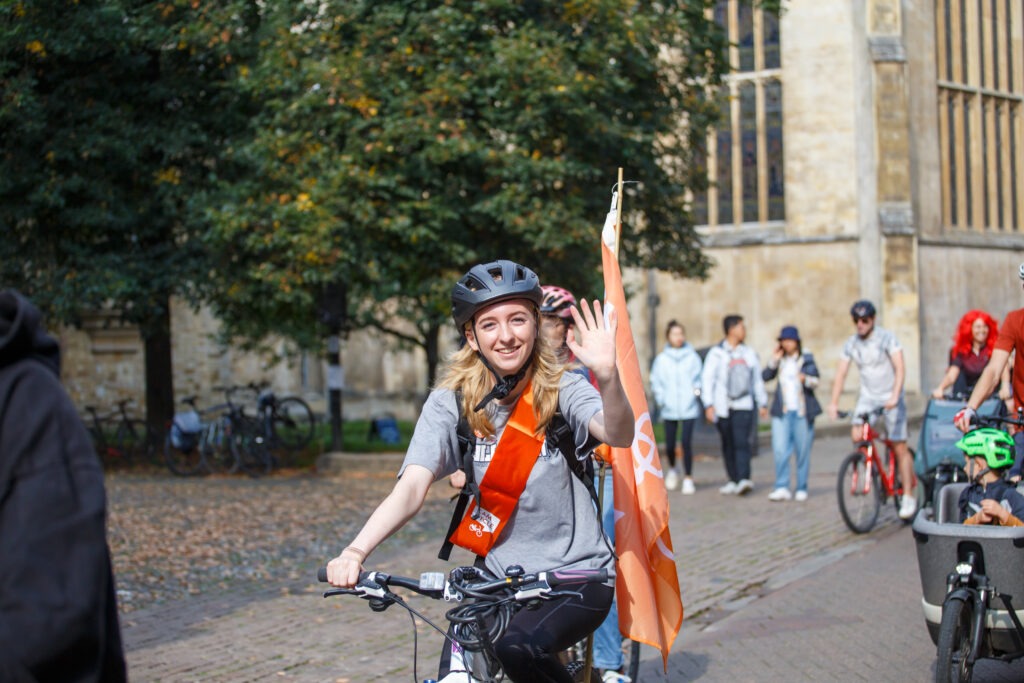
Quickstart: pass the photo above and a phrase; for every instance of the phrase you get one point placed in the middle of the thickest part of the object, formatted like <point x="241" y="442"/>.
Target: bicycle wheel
<point x="292" y="423"/>
<point x="859" y="496"/>
<point x="137" y="442"/>
<point x="250" y="447"/>
<point x="182" y="461"/>
<point x="955" y="643"/>
<point x="217" y="447"/>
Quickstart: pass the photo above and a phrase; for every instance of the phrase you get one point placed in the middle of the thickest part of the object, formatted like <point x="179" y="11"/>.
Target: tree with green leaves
<point x="400" y="142"/>
<point x="113" y="114"/>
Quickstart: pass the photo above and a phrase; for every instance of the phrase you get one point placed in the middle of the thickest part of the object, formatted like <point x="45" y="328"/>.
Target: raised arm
<point x="592" y="341"/>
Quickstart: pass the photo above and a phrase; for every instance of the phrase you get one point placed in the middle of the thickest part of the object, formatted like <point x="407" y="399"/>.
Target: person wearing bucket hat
<point x="528" y="506"/>
<point x="793" y="410"/>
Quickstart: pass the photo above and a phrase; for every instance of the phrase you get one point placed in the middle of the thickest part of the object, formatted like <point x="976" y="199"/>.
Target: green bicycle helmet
<point x="992" y="444"/>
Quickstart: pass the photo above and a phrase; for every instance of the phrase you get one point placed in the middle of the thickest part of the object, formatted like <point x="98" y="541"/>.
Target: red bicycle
<point x="864" y="481"/>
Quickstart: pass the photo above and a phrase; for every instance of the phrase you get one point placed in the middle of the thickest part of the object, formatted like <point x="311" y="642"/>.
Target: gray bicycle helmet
<point x="488" y="283"/>
<point x="1020" y="271"/>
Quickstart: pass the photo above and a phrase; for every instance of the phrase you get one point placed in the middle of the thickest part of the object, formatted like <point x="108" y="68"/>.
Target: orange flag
<point x="647" y="585"/>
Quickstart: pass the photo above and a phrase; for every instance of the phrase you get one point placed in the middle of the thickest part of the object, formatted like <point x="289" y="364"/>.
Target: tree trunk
<point x="159" y="371"/>
<point x="433" y="353"/>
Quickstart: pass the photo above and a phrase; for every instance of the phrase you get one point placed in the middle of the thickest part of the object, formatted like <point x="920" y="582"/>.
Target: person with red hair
<point x="972" y="347"/>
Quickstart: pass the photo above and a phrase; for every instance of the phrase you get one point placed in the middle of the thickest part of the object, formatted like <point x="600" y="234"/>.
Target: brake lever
<point x="564" y="594"/>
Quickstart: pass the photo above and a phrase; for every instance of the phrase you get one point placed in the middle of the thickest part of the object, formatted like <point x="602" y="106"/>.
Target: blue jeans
<point x="607" y="639"/>
<point x="792" y="433"/>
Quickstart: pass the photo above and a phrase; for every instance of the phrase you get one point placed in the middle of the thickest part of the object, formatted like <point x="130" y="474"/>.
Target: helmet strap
<point x="503" y="386"/>
<point x="977" y="477"/>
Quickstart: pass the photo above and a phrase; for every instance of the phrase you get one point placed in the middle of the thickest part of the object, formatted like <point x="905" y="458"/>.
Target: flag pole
<point x="618" y="215"/>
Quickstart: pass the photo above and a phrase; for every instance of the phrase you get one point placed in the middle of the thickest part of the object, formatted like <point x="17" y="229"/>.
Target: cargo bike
<point x="972" y="580"/>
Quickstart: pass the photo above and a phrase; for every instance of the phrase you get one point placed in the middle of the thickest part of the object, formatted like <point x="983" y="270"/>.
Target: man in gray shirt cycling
<point x="879" y="359"/>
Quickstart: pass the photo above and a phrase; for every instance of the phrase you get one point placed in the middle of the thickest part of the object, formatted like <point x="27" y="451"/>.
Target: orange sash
<point x="504" y="481"/>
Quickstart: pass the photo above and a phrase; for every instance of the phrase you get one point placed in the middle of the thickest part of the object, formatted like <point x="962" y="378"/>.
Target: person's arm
<point x="809" y="374"/>
<point x="401" y="505"/>
<point x="1006" y="383"/>
<point x="657" y="383"/>
<point x="760" y="395"/>
<point x="592" y="341"/>
<point x="952" y="372"/>
<point x="709" y="384"/>
<point x="837" y="387"/>
<point x="896" y="356"/>
<point x="983" y="389"/>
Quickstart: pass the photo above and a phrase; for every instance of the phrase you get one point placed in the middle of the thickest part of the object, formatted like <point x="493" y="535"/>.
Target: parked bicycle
<point x="283" y="426"/>
<point x="119" y="438"/>
<point x="215" y="439"/>
<point x="864" y="482"/>
<point x="476" y="624"/>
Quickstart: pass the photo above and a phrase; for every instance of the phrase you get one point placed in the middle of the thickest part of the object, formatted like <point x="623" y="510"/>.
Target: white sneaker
<point x="908" y="506"/>
<point x="672" y="480"/>
<point x="800" y="496"/>
<point x="744" y="487"/>
<point x="688" y="488"/>
<point x="729" y="488"/>
<point x="780" y="494"/>
<point x="615" y="677"/>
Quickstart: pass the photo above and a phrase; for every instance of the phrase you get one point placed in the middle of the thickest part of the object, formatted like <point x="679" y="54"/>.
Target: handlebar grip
<point x="558" y="578"/>
<point x="321" y="575"/>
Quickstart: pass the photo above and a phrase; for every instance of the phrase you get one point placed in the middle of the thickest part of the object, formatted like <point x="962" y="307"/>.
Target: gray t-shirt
<point x="554" y="525"/>
<point x="872" y="356"/>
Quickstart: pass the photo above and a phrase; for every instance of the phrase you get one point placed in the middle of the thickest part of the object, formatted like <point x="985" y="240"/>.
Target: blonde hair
<point x="466" y="372"/>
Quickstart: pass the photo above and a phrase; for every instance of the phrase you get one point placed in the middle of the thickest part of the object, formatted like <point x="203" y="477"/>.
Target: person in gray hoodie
<point x="58" y="612"/>
<point x="675" y="383"/>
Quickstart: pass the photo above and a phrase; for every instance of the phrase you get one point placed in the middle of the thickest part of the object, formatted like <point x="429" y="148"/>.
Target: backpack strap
<point x="470" y="490"/>
<point x="559" y="435"/>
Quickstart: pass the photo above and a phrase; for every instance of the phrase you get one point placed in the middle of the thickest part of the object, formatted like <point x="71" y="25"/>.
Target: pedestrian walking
<point x="675" y="383"/>
<point x="732" y="389"/>
<point x="793" y="410"/>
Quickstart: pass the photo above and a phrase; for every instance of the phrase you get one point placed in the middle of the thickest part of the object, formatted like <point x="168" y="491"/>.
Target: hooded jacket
<point x="675" y="381"/>
<point x="58" y="613"/>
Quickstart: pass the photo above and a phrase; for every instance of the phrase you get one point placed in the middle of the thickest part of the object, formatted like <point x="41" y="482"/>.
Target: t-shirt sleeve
<point x="1010" y="331"/>
<point x="847" y="352"/>
<point x="892" y="344"/>
<point x="579" y="402"/>
<point x="435" y="443"/>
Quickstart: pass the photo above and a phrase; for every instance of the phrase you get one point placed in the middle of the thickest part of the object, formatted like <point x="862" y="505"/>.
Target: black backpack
<point x="557" y="435"/>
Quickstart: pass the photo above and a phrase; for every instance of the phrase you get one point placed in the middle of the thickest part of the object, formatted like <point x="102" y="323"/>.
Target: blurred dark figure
<point x="58" y="613"/>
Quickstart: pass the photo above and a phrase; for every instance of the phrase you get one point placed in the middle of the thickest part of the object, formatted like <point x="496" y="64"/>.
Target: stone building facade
<point x="873" y="149"/>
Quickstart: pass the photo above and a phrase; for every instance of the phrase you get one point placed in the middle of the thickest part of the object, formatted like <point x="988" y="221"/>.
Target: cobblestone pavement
<point x="772" y="591"/>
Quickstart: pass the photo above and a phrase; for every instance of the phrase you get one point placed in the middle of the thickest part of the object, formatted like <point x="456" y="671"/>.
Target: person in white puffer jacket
<point x="675" y="383"/>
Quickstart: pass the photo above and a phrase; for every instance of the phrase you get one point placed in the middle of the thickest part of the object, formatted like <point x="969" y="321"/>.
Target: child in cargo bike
<point x="990" y="499"/>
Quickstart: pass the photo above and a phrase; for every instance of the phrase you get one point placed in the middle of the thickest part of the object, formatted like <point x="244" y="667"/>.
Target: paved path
<point x="772" y="592"/>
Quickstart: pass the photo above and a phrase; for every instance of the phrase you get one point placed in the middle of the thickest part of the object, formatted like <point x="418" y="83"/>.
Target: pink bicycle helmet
<point x="557" y="301"/>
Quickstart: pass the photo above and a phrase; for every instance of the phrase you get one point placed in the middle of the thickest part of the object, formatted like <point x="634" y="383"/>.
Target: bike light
<point x="964" y="569"/>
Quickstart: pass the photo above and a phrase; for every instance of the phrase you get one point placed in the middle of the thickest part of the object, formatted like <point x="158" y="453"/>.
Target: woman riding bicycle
<point x="531" y="510"/>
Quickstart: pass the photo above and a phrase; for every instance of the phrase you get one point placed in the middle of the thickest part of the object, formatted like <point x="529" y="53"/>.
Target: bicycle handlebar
<point x="863" y="416"/>
<point x="469" y="581"/>
<point x="982" y="420"/>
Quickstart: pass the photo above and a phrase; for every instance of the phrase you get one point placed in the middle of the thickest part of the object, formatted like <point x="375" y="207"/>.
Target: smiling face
<point x="505" y="334"/>
<point x="979" y="332"/>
